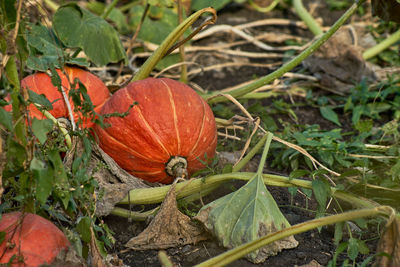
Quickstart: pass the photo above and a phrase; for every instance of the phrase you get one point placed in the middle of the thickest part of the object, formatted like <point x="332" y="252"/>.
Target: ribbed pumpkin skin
<point x="37" y="240"/>
<point x="40" y="83"/>
<point x="170" y="119"/>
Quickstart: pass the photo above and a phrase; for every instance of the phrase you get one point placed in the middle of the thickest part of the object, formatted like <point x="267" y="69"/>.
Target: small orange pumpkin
<point x="31" y="238"/>
<point x="40" y="83"/>
<point x="170" y="133"/>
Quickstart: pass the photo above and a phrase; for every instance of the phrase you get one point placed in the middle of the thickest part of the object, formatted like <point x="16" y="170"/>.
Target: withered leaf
<point x="169" y="228"/>
<point x="389" y="243"/>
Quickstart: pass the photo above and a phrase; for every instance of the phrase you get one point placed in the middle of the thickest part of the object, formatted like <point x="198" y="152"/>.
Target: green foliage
<point x="78" y="28"/>
<point x="330" y="115"/>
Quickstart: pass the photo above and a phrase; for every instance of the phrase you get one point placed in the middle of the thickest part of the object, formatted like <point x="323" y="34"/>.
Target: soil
<point x="315" y="248"/>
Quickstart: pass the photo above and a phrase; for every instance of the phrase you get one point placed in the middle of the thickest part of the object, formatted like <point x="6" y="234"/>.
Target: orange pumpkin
<point x="31" y="238"/>
<point x="40" y="83"/>
<point x="169" y="133"/>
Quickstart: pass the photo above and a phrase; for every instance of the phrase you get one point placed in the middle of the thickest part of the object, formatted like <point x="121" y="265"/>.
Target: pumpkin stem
<point x="177" y="167"/>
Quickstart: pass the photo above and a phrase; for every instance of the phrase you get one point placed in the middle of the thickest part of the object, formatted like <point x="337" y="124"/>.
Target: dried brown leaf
<point x="169" y="228"/>
<point x="390" y="244"/>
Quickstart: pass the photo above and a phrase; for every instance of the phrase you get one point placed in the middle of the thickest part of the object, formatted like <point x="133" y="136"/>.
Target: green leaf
<point x="330" y="115"/>
<point x="364" y="126"/>
<point x="2" y="236"/>
<point x="321" y="191"/>
<point x="116" y="15"/>
<point x="45" y="179"/>
<point x="61" y="179"/>
<point x="298" y="173"/>
<point x="6" y="119"/>
<point x="357" y="112"/>
<point x="362" y="247"/>
<point x="44" y="49"/>
<point x="83" y="228"/>
<point x="16" y="156"/>
<point x="40" y="129"/>
<point x="217" y="5"/>
<point x="77" y="27"/>
<point x="9" y="12"/>
<point x="245" y="215"/>
<point x="40" y="99"/>
<point x="352" y="249"/>
<point x="338" y="232"/>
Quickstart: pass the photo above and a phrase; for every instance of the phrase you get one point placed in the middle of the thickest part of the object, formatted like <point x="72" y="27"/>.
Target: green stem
<point x="264" y="9"/>
<point x="11" y="71"/>
<point x="52" y="5"/>
<point x="109" y="9"/>
<point x="375" y="50"/>
<point x="134" y="215"/>
<point x="238" y="252"/>
<point x="250" y="154"/>
<point x="306" y="17"/>
<point x="162" y="50"/>
<point x="265" y="153"/>
<point x="292" y="63"/>
<point x="164" y="260"/>
<point x="56" y="122"/>
<point x="157" y="194"/>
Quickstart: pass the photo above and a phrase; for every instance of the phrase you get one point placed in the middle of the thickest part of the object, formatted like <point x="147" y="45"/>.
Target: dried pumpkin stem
<point x="177" y="167"/>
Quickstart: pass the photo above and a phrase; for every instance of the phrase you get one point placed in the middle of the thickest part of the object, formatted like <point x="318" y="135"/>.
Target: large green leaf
<point x="77" y="27"/>
<point x="44" y="49"/>
<point x="246" y="215"/>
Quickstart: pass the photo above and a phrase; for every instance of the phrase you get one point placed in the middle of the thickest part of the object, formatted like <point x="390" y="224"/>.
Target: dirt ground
<point x="315" y="248"/>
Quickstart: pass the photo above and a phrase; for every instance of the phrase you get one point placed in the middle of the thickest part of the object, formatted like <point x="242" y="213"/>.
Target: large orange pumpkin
<point x="170" y="133"/>
<point x="31" y="238"/>
<point x="41" y="83"/>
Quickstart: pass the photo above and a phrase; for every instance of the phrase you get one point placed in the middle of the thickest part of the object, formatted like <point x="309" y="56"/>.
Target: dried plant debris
<point x="339" y="64"/>
<point x="386" y="9"/>
<point x="169" y="228"/>
<point x="390" y="245"/>
<point x="67" y="258"/>
<point x="114" y="182"/>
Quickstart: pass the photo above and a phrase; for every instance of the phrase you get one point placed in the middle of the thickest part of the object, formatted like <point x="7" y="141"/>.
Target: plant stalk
<point x="157" y="194"/>
<point x="134" y="215"/>
<point x="213" y="98"/>
<point x="302" y="12"/>
<point x="162" y="50"/>
<point x="239" y="252"/>
<point x="64" y="131"/>
<point x="375" y="50"/>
